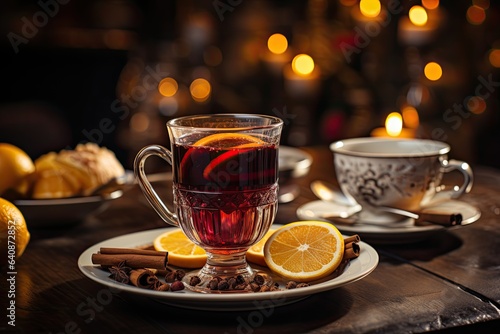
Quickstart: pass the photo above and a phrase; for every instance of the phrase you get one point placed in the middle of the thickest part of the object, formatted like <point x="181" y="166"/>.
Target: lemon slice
<point x="255" y="254"/>
<point x="304" y="250"/>
<point x="182" y="252"/>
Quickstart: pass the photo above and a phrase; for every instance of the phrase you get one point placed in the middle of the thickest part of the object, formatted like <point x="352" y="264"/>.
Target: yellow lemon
<point x="182" y="252"/>
<point x="304" y="250"/>
<point x="14" y="234"/>
<point x="16" y="167"/>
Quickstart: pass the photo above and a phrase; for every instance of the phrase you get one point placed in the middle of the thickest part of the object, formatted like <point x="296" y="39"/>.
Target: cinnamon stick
<point x="351" y="247"/>
<point x="351" y="251"/>
<point x="112" y="250"/>
<point x="134" y="258"/>
<point x="352" y="238"/>
<point x="143" y="278"/>
<point x="429" y="218"/>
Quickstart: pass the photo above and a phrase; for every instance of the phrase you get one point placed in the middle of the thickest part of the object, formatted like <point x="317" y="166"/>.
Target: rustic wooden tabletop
<point x="448" y="281"/>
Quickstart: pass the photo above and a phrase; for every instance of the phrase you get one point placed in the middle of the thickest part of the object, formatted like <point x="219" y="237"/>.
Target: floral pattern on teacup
<point x="375" y="182"/>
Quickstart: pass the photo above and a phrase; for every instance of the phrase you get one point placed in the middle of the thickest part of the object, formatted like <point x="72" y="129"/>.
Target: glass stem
<point x="226" y="265"/>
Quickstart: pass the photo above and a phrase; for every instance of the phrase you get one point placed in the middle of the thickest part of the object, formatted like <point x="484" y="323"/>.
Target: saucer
<point x="373" y="228"/>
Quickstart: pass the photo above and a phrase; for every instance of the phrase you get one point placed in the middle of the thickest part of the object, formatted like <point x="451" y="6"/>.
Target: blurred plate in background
<point x="293" y="163"/>
<point x="60" y="212"/>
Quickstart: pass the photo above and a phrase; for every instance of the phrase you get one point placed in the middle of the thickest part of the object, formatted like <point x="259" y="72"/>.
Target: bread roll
<point x="74" y="172"/>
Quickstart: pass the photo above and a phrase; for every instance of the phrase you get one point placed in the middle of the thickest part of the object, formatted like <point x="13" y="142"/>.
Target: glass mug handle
<point x="146" y="187"/>
<point x="464" y="168"/>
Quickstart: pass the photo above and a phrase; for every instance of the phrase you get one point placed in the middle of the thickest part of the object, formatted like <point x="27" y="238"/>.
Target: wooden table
<point x="448" y="282"/>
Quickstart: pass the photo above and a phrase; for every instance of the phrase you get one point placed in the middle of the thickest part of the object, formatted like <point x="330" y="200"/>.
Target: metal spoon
<point x="326" y="192"/>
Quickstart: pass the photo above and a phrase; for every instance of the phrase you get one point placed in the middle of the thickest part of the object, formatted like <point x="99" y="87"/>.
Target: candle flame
<point x="418" y="15"/>
<point x="303" y="64"/>
<point x="394" y="124"/>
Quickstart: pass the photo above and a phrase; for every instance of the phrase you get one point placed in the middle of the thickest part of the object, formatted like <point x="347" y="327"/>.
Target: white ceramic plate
<point x="397" y="232"/>
<point x="356" y="270"/>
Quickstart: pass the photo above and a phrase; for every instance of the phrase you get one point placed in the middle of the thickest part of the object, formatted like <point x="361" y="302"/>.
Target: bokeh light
<point x="410" y="117"/>
<point x="394" y="124"/>
<point x="433" y="71"/>
<point x="418" y="15"/>
<point x="476" y="104"/>
<point x="418" y="95"/>
<point x="494" y="57"/>
<point x="168" y="106"/>
<point x="485" y="4"/>
<point x="139" y="122"/>
<point x="475" y="15"/>
<point x="168" y="87"/>
<point x="200" y="90"/>
<point x="277" y="43"/>
<point x="303" y="64"/>
<point x="212" y="56"/>
<point x="370" y="8"/>
<point x="430" y="4"/>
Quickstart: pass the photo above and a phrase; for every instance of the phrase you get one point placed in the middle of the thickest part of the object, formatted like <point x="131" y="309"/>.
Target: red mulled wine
<point x="226" y="192"/>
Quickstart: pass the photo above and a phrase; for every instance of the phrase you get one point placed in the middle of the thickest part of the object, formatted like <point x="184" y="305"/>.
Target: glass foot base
<point x="248" y="282"/>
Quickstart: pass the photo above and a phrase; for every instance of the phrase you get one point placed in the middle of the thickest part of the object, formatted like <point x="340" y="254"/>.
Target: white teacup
<point x="399" y="173"/>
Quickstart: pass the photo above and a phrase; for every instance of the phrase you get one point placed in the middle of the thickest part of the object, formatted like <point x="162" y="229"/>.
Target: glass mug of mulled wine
<point x="225" y="185"/>
<point x="398" y="173"/>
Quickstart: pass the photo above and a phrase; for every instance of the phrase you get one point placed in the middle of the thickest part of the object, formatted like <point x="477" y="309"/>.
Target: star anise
<point x="120" y="273"/>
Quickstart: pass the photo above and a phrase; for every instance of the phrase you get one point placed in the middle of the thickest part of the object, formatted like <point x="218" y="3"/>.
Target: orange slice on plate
<point x="182" y="252"/>
<point x="304" y="250"/>
<point x="255" y="254"/>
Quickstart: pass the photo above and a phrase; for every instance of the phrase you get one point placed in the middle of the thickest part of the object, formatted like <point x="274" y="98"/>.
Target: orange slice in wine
<point x="229" y="140"/>
<point x="225" y="141"/>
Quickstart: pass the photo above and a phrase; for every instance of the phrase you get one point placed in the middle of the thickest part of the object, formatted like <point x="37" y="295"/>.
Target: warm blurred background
<point x="114" y="71"/>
